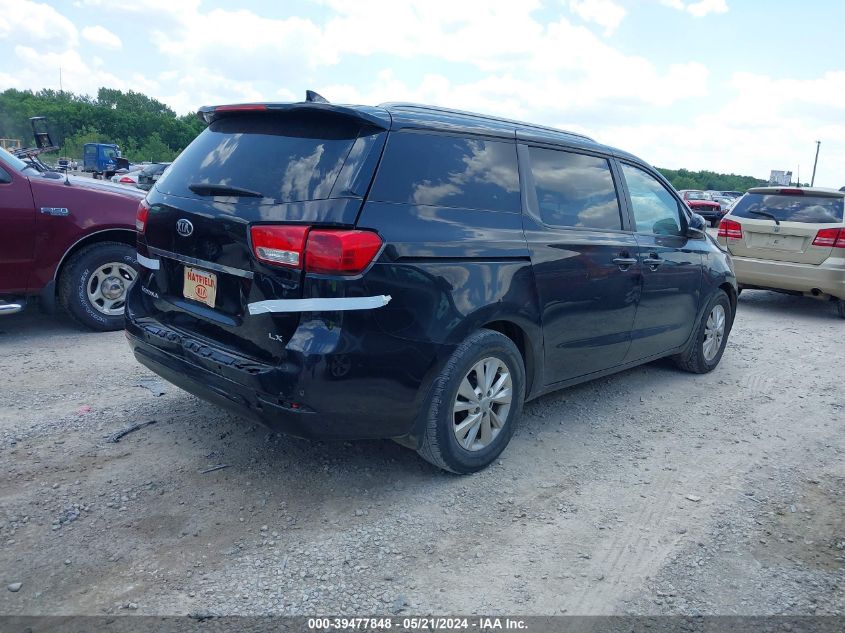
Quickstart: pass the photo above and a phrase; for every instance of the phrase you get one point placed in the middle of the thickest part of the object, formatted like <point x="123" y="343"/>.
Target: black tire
<point x="840" y="308"/>
<point x="693" y="358"/>
<point x="77" y="275"/>
<point x="439" y="444"/>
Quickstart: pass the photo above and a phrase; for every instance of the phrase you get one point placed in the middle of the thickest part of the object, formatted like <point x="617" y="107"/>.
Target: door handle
<point x="653" y="261"/>
<point x="624" y="262"/>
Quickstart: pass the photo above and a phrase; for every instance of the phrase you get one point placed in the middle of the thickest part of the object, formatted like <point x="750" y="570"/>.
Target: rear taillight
<point x="340" y="252"/>
<point x="730" y="230"/>
<point x="279" y="245"/>
<point x="324" y="251"/>
<point x="126" y="180"/>
<point x="831" y="238"/>
<point x="141" y="217"/>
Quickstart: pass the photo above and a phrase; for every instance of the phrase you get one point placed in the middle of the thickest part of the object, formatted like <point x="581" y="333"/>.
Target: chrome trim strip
<point x="191" y="261"/>
<point x="328" y="304"/>
<point x="10" y="308"/>
<point x="146" y="262"/>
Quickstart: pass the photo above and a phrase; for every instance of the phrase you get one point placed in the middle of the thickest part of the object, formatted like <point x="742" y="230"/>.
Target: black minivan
<point x="414" y="273"/>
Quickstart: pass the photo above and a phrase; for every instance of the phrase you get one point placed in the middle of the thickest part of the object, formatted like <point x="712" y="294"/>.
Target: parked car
<point x="65" y="239"/>
<point x="724" y="202"/>
<point x="127" y="178"/>
<point x="702" y="203"/>
<point x="789" y="240"/>
<point x="150" y="174"/>
<point x="413" y="273"/>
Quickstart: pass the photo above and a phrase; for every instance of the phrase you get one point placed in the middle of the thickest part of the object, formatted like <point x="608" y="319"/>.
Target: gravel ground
<point x="649" y="492"/>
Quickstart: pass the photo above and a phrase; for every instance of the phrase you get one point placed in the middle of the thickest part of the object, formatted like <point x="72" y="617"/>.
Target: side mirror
<point x="697" y="226"/>
<point x="5" y="178"/>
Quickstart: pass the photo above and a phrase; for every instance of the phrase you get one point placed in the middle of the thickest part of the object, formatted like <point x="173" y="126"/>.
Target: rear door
<point x="584" y="260"/>
<point x="783" y="226"/>
<point x="670" y="263"/>
<point x="248" y="169"/>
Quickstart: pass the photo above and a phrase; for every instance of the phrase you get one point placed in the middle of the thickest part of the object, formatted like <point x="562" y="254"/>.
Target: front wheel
<point x="708" y="344"/>
<point x="474" y="404"/>
<point x="94" y="284"/>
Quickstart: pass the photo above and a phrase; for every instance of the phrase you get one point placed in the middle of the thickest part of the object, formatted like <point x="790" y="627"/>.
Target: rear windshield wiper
<point x="209" y="189"/>
<point x="767" y="214"/>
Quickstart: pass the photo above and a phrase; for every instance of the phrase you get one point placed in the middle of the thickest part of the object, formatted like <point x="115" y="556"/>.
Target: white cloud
<point x="24" y="22"/>
<point x="605" y="13"/>
<point x="102" y="36"/>
<point x="700" y="8"/>
<point x="704" y="7"/>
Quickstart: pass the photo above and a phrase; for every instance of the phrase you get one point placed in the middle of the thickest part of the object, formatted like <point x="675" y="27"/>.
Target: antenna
<point x="315" y="97"/>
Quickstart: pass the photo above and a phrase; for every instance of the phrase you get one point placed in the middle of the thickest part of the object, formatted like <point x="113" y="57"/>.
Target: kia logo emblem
<point x="184" y="227"/>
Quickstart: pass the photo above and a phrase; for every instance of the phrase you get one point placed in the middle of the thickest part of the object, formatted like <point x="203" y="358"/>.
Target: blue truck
<point x="103" y="159"/>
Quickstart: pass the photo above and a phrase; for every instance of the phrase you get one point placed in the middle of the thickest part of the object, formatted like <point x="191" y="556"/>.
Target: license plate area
<point x="200" y="285"/>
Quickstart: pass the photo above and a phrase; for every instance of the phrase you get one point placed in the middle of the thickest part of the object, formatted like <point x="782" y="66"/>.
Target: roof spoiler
<point x="314" y="102"/>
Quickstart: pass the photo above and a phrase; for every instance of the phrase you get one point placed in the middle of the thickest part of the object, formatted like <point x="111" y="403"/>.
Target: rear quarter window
<point x="809" y="209"/>
<point x="448" y="171"/>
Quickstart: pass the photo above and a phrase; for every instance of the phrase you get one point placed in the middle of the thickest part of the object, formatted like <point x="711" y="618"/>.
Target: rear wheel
<point x="840" y="307"/>
<point x="474" y="404"/>
<point x="708" y="344"/>
<point x="94" y="284"/>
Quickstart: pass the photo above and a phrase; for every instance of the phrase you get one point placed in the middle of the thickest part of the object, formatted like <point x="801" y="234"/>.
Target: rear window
<point x="810" y="209"/>
<point x="448" y="171"/>
<point x="286" y="158"/>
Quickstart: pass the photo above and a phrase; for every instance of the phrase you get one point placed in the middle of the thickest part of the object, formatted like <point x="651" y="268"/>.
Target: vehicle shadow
<point x="756" y="301"/>
<point x="34" y="323"/>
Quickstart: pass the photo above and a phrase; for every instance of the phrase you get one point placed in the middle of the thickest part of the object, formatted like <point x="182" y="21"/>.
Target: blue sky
<point x="725" y="85"/>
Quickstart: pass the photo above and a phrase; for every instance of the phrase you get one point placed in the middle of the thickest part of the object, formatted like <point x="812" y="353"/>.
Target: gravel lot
<point x="649" y="492"/>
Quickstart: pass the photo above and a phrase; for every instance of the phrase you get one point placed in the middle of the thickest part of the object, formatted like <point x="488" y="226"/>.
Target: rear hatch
<point x="782" y="225"/>
<point x="295" y="164"/>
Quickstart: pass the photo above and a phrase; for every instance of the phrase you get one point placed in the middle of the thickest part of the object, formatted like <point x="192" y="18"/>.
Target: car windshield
<point x="790" y="208"/>
<point x="12" y="161"/>
<point x="698" y="195"/>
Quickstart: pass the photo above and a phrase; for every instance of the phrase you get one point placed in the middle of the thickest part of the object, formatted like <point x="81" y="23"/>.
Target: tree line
<point x="147" y="129"/>
<point x="709" y="180"/>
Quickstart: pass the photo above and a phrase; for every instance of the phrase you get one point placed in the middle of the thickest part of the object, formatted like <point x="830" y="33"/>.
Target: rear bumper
<point x="373" y="389"/>
<point x="827" y="277"/>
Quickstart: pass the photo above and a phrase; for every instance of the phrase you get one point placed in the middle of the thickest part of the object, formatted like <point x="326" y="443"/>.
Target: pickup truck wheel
<point x="94" y="284"/>
<point x="474" y="404"/>
<point x="708" y="344"/>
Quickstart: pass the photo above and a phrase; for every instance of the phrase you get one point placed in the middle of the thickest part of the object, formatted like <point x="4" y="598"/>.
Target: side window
<point x="575" y="190"/>
<point x="655" y="209"/>
<point x="447" y="171"/>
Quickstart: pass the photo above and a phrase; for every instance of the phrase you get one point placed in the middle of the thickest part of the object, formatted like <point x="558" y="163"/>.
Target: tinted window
<point x="286" y="158"/>
<point x="812" y="209"/>
<point x="574" y="190"/>
<point x="655" y="209"/>
<point x="447" y="171"/>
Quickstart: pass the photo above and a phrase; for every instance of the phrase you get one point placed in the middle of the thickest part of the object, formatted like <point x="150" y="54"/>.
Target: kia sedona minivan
<point x="414" y="273"/>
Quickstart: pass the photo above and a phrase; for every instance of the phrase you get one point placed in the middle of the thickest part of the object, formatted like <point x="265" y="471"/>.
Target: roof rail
<point x="422" y="106"/>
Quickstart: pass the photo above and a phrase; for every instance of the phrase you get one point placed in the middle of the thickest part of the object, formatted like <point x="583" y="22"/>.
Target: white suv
<point x="789" y="239"/>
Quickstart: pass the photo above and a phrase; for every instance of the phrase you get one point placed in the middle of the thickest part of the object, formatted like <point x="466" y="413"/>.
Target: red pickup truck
<point x="65" y="240"/>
